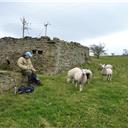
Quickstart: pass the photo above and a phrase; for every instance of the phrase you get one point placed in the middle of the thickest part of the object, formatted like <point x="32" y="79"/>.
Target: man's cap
<point x="28" y="54"/>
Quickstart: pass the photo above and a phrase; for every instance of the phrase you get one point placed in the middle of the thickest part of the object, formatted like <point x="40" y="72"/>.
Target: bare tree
<point x="97" y="50"/>
<point x="25" y="24"/>
<point x="46" y="25"/>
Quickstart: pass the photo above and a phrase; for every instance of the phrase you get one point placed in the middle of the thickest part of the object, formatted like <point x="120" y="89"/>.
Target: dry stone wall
<point x="8" y="80"/>
<point x="49" y="56"/>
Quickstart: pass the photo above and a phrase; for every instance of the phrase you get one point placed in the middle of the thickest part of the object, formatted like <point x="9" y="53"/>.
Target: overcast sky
<point x="85" y="21"/>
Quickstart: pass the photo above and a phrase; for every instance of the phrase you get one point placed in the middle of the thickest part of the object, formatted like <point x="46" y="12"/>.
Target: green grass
<point x="56" y="104"/>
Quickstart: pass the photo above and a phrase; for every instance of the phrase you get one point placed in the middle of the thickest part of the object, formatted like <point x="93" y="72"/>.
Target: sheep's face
<point x="104" y="70"/>
<point x="101" y="66"/>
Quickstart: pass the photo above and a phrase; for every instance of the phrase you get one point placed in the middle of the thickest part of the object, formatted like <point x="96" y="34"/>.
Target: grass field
<point x="56" y="104"/>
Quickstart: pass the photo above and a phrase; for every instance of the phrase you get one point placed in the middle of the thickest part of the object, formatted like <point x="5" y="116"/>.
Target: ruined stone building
<point x="49" y="56"/>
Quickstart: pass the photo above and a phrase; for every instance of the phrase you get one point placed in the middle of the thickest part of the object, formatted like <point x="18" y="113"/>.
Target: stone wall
<point x="8" y="80"/>
<point x="49" y="56"/>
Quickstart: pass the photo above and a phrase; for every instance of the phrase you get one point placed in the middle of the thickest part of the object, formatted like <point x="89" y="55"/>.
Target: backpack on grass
<point x="25" y="89"/>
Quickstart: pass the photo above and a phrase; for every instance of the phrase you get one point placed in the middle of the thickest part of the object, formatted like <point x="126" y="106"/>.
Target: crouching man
<point x="27" y="69"/>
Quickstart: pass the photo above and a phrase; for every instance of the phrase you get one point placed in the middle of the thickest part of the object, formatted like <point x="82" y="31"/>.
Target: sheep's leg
<point x="76" y="84"/>
<point x="102" y="77"/>
<point x="87" y="82"/>
<point x="73" y="81"/>
<point x="110" y="78"/>
<point x="81" y="87"/>
<point x="107" y="77"/>
<point x="68" y="80"/>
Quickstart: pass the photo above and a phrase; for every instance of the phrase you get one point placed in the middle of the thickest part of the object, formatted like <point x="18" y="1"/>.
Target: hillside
<point x="56" y="104"/>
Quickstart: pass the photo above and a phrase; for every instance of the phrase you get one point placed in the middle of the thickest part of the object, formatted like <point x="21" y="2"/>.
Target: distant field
<point x="56" y="104"/>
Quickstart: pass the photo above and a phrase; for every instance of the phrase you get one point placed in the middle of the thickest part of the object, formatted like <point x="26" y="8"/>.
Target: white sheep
<point x="88" y="73"/>
<point x="109" y="66"/>
<point x="107" y="72"/>
<point x="105" y="65"/>
<point x="80" y="79"/>
<point x="71" y="73"/>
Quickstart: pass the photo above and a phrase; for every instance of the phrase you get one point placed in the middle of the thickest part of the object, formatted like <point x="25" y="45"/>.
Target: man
<point x="27" y="69"/>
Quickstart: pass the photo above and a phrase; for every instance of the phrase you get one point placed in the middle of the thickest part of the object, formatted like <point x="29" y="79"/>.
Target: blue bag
<point x="29" y="89"/>
<point x="25" y="89"/>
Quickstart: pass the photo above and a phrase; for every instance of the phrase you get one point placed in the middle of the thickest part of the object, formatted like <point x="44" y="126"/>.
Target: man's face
<point x="27" y="57"/>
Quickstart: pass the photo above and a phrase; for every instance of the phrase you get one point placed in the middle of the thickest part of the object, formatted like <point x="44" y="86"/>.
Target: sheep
<point x="105" y="65"/>
<point x="80" y="79"/>
<point x="71" y="73"/>
<point x="109" y="66"/>
<point x="107" y="72"/>
<point x="88" y="73"/>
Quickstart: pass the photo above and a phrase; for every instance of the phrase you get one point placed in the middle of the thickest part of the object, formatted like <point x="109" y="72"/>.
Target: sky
<point x="87" y="22"/>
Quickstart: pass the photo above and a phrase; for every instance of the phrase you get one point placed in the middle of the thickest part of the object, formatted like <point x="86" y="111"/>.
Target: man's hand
<point x="34" y="70"/>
